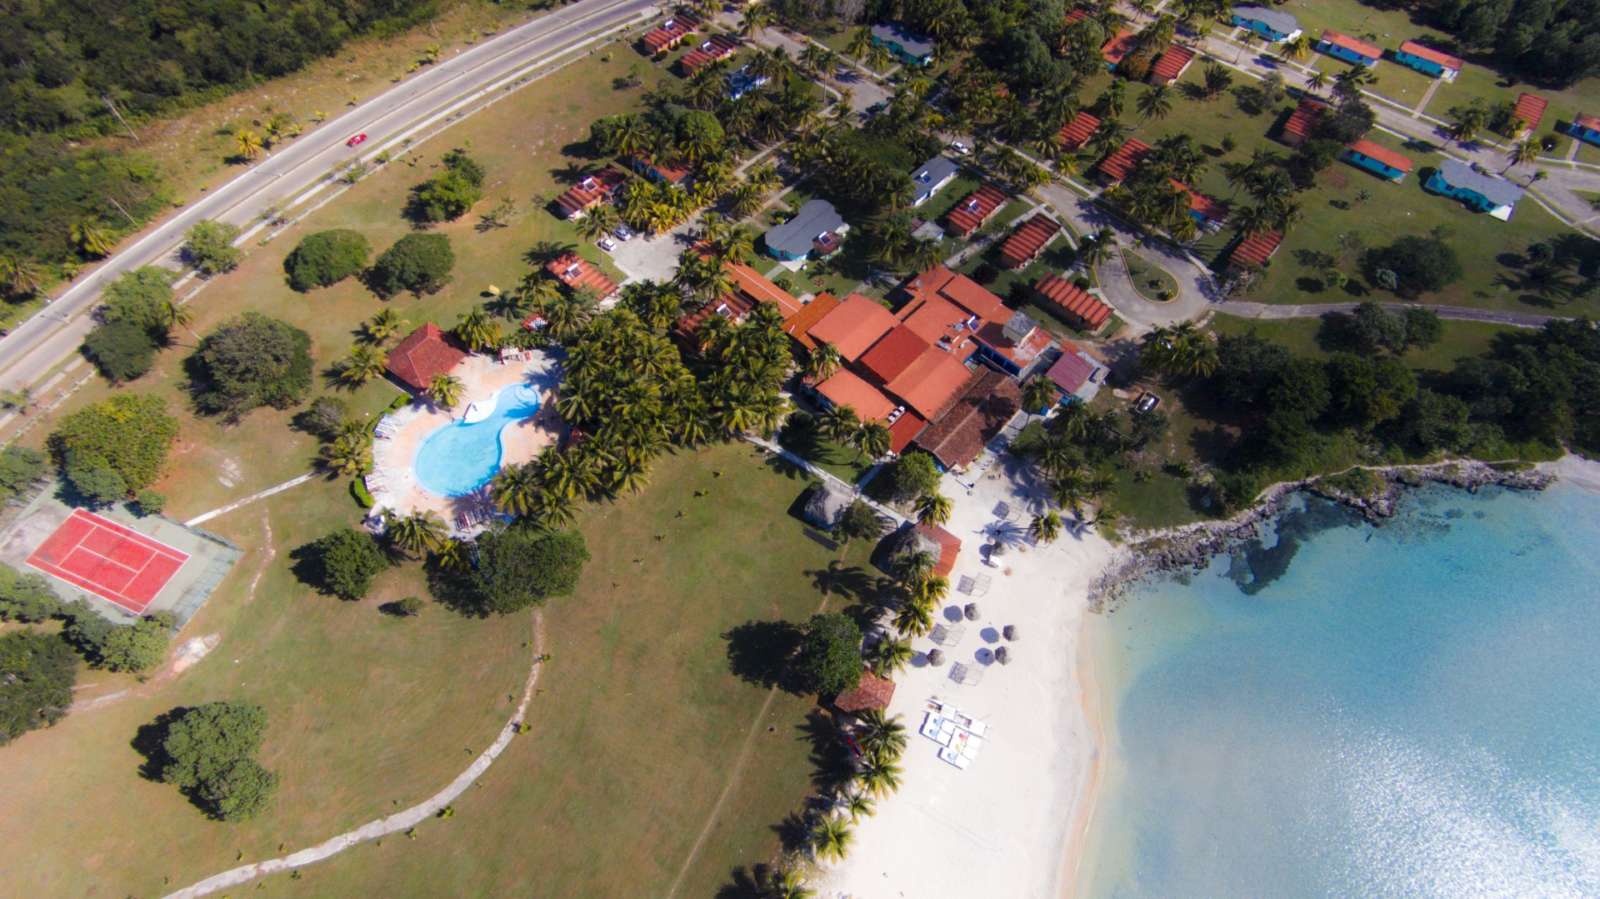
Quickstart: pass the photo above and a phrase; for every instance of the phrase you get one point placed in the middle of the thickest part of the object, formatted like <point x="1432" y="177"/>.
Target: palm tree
<point x="477" y="330"/>
<point x="1045" y="528"/>
<point x="880" y="776"/>
<point x="933" y="509"/>
<point x="516" y="489"/>
<point x="248" y="143"/>
<point x="822" y="362"/>
<point x="445" y="390"/>
<point x="871" y="439"/>
<point x="1217" y="80"/>
<point x="1317" y="81"/>
<point x="839" y="423"/>
<point x="888" y="656"/>
<point x="788" y="883"/>
<point x="451" y="555"/>
<point x="362" y="365"/>
<point x="384" y="324"/>
<point x="91" y="238"/>
<point x="831" y="838"/>
<point x="19" y="276"/>
<point x="1039" y="394"/>
<point x="598" y="222"/>
<point x="879" y="57"/>
<point x="880" y="735"/>
<point x="1522" y="153"/>
<point x="860" y="43"/>
<point x="858" y="805"/>
<point x="929" y="591"/>
<point x="757" y="17"/>
<point x="349" y="454"/>
<point x="1155" y="103"/>
<point x="418" y="532"/>
<point x="913" y="619"/>
<point x="1298" y="49"/>
<point x="1093" y="250"/>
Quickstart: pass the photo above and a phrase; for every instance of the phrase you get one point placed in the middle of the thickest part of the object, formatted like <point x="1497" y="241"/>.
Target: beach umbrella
<point x="971" y="611"/>
<point x="1009" y="632"/>
<point x="1002" y="655"/>
<point x="935" y="657"/>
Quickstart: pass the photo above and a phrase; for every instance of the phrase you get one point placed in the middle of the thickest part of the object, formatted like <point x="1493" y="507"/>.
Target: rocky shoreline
<point x="1374" y="492"/>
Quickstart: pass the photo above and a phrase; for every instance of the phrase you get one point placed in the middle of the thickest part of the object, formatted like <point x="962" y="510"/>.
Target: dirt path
<point x="399" y="821"/>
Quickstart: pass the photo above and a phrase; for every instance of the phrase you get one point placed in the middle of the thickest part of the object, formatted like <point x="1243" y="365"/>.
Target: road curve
<point x="38" y="343"/>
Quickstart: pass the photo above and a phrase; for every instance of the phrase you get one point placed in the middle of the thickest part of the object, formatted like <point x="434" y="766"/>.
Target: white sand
<point x="1008" y="825"/>
<point x="1577" y="470"/>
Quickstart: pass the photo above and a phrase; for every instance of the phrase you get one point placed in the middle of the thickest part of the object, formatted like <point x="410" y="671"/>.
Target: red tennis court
<point x="111" y="561"/>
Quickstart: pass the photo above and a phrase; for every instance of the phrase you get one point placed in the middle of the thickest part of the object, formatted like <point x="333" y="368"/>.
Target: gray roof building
<point x="934" y="174"/>
<point x="1496" y="190"/>
<point x="1276" y="19"/>
<point x="793" y="239"/>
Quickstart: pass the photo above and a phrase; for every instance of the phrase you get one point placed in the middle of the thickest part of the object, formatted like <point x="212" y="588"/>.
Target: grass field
<point x="1460" y="340"/>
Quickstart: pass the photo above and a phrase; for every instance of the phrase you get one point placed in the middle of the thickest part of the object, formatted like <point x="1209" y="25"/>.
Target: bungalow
<point x="1527" y="114"/>
<point x="1121" y="162"/>
<point x="1171" y="64"/>
<point x="577" y="273"/>
<point x="601" y="187"/>
<point x="1300" y="124"/>
<point x="1585" y="127"/>
<point x="1255" y="249"/>
<point x="1206" y="212"/>
<point x="423" y="355"/>
<point x="1428" y="61"/>
<point x="893" y="354"/>
<point x="932" y="177"/>
<point x="669" y="34"/>
<point x="1271" y="24"/>
<point x="970" y="214"/>
<point x="758" y="289"/>
<point x="909" y="47"/>
<point x="717" y="47"/>
<point x="1377" y="159"/>
<point x="814" y="231"/>
<point x="1074" y="305"/>
<point x="871" y="693"/>
<point x="1076" y="373"/>
<point x="1349" y="49"/>
<point x="731" y="306"/>
<point x="981" y="412"/>
<point x="1077" y="132"/>
<point x="1117" y="49"/>
<point x="1478" y="190"/>
<point x="1028" y="241"/>
<point x="659" y="171"/>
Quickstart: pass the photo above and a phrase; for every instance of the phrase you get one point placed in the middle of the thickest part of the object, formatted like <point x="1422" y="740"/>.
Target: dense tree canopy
<point x="26" y="597"/>
<point x="122" y="350"/>
<point x="209" y="248"/>
<point x="20" y="469"/>
<point x="136" y="647"/>
<point x="208" y="752"/>
<point x="250" y="361"/>
<point x="325" y="258"/>
<point x="448" y="195"/>
<point x="343" y="562"/>
<point x="1557" y="41"/>
<point x="1414" y="265"/>
<point x="127" y="435"/>
<point x="420" y="263"/>
<point x="37" y="672"/>
<point x="521" y="566"/>
<point x="829" y="658"/>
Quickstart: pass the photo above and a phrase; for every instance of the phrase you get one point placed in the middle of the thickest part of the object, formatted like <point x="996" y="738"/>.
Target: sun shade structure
<point x="423" y="355"/>
<point x="825" y="504"/>
<point x="873" y="693"/>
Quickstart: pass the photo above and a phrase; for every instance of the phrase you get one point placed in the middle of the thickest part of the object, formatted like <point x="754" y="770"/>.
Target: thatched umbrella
<point x="971" y="611"/>
<point x="935" y="657"/>
<point x="1009" y="632"/>
<point x="1002" y="655"/>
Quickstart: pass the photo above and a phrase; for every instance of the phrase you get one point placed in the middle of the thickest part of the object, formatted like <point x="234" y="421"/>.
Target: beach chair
<point x="965" y="584"/>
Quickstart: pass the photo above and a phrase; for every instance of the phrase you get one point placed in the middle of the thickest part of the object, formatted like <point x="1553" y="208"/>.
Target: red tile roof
<point x="957" y="437"/>
<point x="1077" y="14"/>
<point x="730" y="306"/>
<point x="1072" y="370"/>
<point x="873" y="692"/>
<point x="846" y="388"/>
<point x="969" y="215"/>
<point x="578" y="273"/>
<point x="1592" y="122"/>
<point x="798" y="326"/>
<point x="854" y="326"/>
<point x="936" y="319"/>
<point x="672" y="174"/>
<point x="958" y="289"/>
<point x="1430" y="54"/>
<point x="1297" y="127"/>
<point x="1077" y="132"/>
<point x="1530" y="110"/>
<point x="718" y="46"/>
<point x="1120" y="46"/>
<point x="949" y="547"/>
<point x="1073" y="302"/>
<point x="1123" y="160"/>
<point x="1383" y="154"/>
<point x="1028" y="240"/>
<point x="1200" y="204"/>
<point x="1355" y="45"/>
<point x="1169" y="66"/>
<point x="891" y="355"/>
<point x="756" y="287"/>
<point x="904" y="430"/>
<point x="590" y="192"/>
<point x="424" y="353"/>
<point x="930" y="382"/>
<point x="671" y="32"/>
<point x="1256" y="249"/>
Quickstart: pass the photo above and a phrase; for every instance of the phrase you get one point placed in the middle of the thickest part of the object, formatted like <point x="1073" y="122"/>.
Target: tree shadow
<point x="147" y="742"/>
<point x="759" y="652"/>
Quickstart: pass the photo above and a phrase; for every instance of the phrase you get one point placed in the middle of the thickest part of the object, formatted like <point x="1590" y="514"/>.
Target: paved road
<point x="39" y="343"/>
<point x="1317" y="310"/>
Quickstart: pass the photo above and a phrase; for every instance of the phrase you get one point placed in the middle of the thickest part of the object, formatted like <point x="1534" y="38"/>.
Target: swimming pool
<point x="459" y="457"/>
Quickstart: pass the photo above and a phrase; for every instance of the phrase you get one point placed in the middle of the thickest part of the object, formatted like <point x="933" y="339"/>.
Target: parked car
<point x="623" y="232"/>
<point x="357" y="140"/>
<point x="607" y="244"/>
<point x="1146" y="403"/>
<point x="960" y="149"/>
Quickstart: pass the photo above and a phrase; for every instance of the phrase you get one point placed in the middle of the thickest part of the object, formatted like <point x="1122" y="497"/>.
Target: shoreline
<point x="1087" y="799"/>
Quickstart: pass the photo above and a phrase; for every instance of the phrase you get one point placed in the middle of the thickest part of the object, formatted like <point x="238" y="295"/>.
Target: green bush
<point x="521" y="567"/>
<point x="37" y="673"/>
<point x="121" y="350"/>
<point x="209" y="248"/>
<point x="362" y="495"/>
<point x="343" y="563"/>
<point x="150" y="502"/>
<point x="208" y="752"/>
<point x="829" y="659"/>
<point x="250" y="361"/>
<point x="448" y="195"/>
<point x="128" y="435"/>
<point x="26" y="597"/>
<point x="139" y="646"/>
<point x="20" y="469"/>
<point x="420" y="263"/>
<point x="326" y="257"/>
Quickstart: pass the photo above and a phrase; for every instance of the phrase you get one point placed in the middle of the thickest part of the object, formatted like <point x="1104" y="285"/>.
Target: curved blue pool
<point x="458" y="458"/>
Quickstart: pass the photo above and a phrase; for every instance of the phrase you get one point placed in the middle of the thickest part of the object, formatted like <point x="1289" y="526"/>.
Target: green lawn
<point x="1150" y="280"/>
<point x="1461" y="339"/>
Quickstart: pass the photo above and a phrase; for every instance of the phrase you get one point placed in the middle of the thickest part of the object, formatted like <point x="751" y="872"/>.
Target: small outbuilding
<point x="1428" y="61"/>
<point x="1377" y="159"/>
<point x="825" y="504"/>
<point x="872" y="693"/>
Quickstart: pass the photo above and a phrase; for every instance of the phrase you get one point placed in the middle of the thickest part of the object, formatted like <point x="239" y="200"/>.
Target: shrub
<point x="362" y="496"/>
<point x="142" y="297"/>
<point x="1419" y="265"/>
<point x="20" y="469"/>
<point x="150" y="502"/>
<point x="829" y="660"/>
<point x="37" y="673"/>
<point x="326" y="257"/>
<point x="128" y="435"/>
<point x="26" y="597"/>
<point x="410" y="607"/>
<point x="209" y="248"/>
<point x="448" y="195"/>
<point x="250" y="361"/>
<point x="913" y="475"/>
<point x="420" y="263"/>
<point x="139" y="646"/>
<point x="324" y="417"/>
<point x="121" y="350"/>
<point x="343" y="563"/>
<point x="519" y="567"/>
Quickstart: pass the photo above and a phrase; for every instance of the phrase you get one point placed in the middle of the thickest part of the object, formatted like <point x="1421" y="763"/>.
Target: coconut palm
<point x="831" y="838"/>
<point x="1155" y="103"/>
<point x="516" y="489"/>
<point x="860" y="43"/>
<point x="19" y="276"/>
<point x="445" y="390"/>
<point x="1216" y="80"/>
<point x="416" y="533"/>
<point x="477" y="330"/>
<point x="888" y="656"/>
<point x="1045" y="528"/>
<point x="1522" y="153"/>
<point x="1039" y="394"/>
<point x="1094" y="249"/>
<point x="362" y="365"/>
<point x="871" y="439"/>
<point x="858" y="805"/>
<point x="839" y="423"/>
<point x="248" y="143"/>
<point x="929" y="591"/>
<point x="1299" y="49"/>
<point x="879" y="776"/>
<point x="788" y="883"/>
<point x="933" y="509"/>
<point x="349" y="454"/>
<point x="822" y="362"/>
<point x="452" y="555"/>
<point x="757" y="18"/>
<point x="880" y="735"/>
<point x="913" y="619"/>
<point x="91" y="238"/>
<point x="598" y="222"/>
<point x="1317" y="81"/>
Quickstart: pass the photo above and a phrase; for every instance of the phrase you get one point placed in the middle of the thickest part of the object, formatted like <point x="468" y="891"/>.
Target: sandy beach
<point x="1012" y="823"/>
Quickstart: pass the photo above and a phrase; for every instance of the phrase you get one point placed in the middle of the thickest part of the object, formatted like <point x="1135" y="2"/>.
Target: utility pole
<point x="114" y="111"/>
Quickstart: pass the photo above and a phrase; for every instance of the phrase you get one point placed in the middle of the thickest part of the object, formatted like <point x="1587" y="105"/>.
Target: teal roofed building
<point x="1478" y="190"/>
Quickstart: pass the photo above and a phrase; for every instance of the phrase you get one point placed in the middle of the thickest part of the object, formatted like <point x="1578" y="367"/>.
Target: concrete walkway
<point x="820" y="474"/>
<point x="1317" y="310"/>
<point x="399" y="821"/>
<point x="260" y="494"/>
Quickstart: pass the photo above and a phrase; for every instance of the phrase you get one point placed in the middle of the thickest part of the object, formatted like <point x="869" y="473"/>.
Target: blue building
<point x="1270" y="24"/>
<point x="1377" y="159"/>
<point x="1585" y="127"/>
<point x="815" y="229"/>
<point x="1428" y="61"/>
<point x="909" y="47"/>
<point x="742" y="82"/>
<point x="1478" y="190"/>
<point x="1349" y="49"/>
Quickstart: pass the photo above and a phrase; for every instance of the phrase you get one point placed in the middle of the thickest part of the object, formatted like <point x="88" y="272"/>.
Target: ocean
<point x="1347" y="710"/>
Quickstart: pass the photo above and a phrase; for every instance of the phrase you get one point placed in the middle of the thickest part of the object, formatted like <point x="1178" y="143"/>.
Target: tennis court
<point x="111" y="561"/>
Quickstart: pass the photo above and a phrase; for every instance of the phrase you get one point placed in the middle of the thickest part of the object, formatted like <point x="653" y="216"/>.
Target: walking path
<point x="395" y="823"/>
<point x="260" y="494"/>
<point x="1317" y="310"/>
<point x="821" y="474"/>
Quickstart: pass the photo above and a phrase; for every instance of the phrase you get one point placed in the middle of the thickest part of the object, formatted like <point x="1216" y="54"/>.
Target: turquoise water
<point x="458" y="458"/>
<point x="1411" y="710"/>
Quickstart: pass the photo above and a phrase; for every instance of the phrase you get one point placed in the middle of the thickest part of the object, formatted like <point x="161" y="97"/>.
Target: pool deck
<point x="392" y="482"/>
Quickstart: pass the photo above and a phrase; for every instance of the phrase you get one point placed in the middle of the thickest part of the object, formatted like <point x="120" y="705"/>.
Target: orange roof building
<point x="1202" y="208"/>
<point x="799" y="325"/>
<point x="930" y="382"/>
<point x="1118" y="48"/>
<point x="949" y="547"/>
<point x="903" y="429"/>
<point x="718" y="46"/>
<point x="1428" y="61"/>
<point x="758" y="288"/>
<point x="422" y="355"/>
<point x="670" y="33"/>
<point x="1349" y="49"/>
<point x="1256" y="249"/>
<point x="1028" y="241"/>
<point x="578" y="273"/>
<point x="1298" y="126"/>
<point x="1121" y="162"/>
<point x="1528" y="112"/>
<point x="1077" y="132"/>
<point x="873" y="693"/>
<point x="593" y="190"/>
<point x="957" y="437"/>
<point x="846" y="388"/>
<point x="958" y="289"/>
<point x="1015" y="345"/>
<point x="1171" y="64"/>
<point x="969" y="215"/>
<point x="1075" y="305"/>
<point x="893" y="354"/>
<point x="854" y="326"/>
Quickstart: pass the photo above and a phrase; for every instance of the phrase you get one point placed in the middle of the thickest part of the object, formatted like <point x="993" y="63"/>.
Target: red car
<point x="357" y="140"/>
